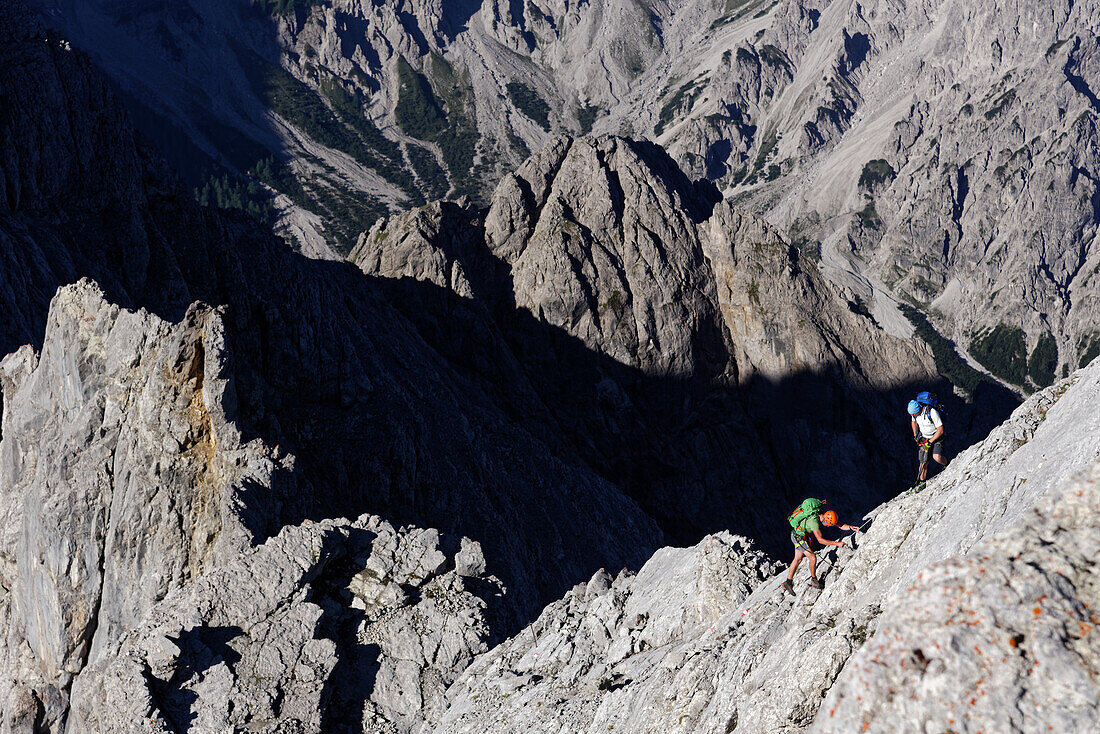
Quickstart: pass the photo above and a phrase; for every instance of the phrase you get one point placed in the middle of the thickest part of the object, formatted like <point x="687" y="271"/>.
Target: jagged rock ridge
<point x="929" y="152"/>
<point x="293" y="400"/>
<point x="968" y="606"/>
<point x="712" y="336"/>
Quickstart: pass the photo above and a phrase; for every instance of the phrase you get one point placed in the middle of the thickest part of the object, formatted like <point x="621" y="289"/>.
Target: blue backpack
<point x="930" y="400"/>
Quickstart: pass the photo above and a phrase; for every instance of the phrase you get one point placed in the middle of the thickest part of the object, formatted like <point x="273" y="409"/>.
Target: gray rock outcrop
<point x="711" y="335"/>
<point x="122" y="478"/>
<point x="994" y="553"/>
<point x="295" y="633"/>
<point x="1001" y="639"/>
<point x="932" y="152"/>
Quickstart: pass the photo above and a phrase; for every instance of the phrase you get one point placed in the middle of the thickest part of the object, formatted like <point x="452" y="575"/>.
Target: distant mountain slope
<point x="931" y="153"/>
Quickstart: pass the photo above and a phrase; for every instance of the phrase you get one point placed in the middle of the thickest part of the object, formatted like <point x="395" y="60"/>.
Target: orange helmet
<point x="829" y="518"/>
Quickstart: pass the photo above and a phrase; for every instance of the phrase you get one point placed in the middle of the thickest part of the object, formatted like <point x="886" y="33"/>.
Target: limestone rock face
<point x="122" y="476"/>
<point x="293" y="634"/>
<point x="1023" y="602"/>
<point x="996" y="553"/>
<point x="711" y="335"/>
<point x="604" y="636"/>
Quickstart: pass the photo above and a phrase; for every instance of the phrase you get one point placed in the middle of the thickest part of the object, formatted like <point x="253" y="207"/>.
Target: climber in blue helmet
<point x="926" y="420"/>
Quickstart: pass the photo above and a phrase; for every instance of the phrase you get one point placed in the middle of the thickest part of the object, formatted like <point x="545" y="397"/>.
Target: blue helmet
<point x="914" y="407"/>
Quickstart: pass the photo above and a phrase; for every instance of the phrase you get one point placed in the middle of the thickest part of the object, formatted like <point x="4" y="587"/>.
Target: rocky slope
<point x="507" y="398"/>
<point x="931" y="153"/>
<point x="664" y="331"/>
<point x="296" y="633"/>
<point x="151" y="438"/>
<point x="143" y="445"/>
<point x="968" y="606"/>
<point x="360" y="626"/>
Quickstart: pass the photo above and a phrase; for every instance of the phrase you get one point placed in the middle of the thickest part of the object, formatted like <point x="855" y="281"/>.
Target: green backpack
<point x="809" y="508"/>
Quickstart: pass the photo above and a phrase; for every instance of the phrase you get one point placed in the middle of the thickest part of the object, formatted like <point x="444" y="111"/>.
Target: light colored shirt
<point x="928" y="420"/>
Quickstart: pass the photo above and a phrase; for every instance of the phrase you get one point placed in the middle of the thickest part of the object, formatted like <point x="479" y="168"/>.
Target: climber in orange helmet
<point x="806" y="520"/>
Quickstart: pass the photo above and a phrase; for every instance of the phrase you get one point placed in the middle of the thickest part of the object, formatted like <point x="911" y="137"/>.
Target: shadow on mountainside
<point x="201" y="648"/>
<point x="405" y="400"/>
<point x="351" y="682"/>
<point x="402" y="399"/>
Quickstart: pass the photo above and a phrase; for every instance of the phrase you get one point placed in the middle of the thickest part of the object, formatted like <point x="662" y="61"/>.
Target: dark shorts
<point x="937" y="449"/>
<point x="801" y="542"/>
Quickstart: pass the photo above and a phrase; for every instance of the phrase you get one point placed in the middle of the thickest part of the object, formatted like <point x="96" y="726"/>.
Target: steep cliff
<point x="967" y="606"/>
<point x="932" y="152"/>
<point x="143" y="445"/>
<point x="679" y="344"/>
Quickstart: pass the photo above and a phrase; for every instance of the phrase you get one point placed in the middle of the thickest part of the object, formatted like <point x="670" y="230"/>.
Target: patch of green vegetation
<point x="1043" y="360"/>
<point x="529" y="103"/>
<point x="868" y="216"/>
<point x="304" y="109"/>
<point x="459" y="144"/>
<point x="383" y="154"/>
<point x="760" y="168"/>
<point x="926" y="286"/>
<point x="417" y="112"/>
<point x="808" y="248"/>
<point x="278" y="176"/>
<point x="734" y="9"/>
<point x="632" y="59"/>
<point x="301" y="107"/>
<point x="432" y="176"/>
<point x="533" y="13"/>
<point x="1003" y="352"/>
<point x="859" y="307"/>
<point x="764" y="11"/>
<point x="1001" y="103"/>
<point x="967" y="109"/>
<point x="586" y="116"/>
<point x="349" y="212"/>
<point x="1088" y="346"/>
<point x="876" y="172"/>
<point x="349" y="107"/>
<point x="948" y="362"/>
<point x="517" y="143"/>
<point x="421" y="114"/>
<point x="773" y="57"/>
<point x="1053" y="48"/>
<point x="231" y="191"/>
<point x="684" y="96"/>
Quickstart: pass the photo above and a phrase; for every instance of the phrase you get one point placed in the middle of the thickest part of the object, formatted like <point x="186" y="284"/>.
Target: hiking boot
<point x="815" y="583"/>
<point x="787" y="585"/>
